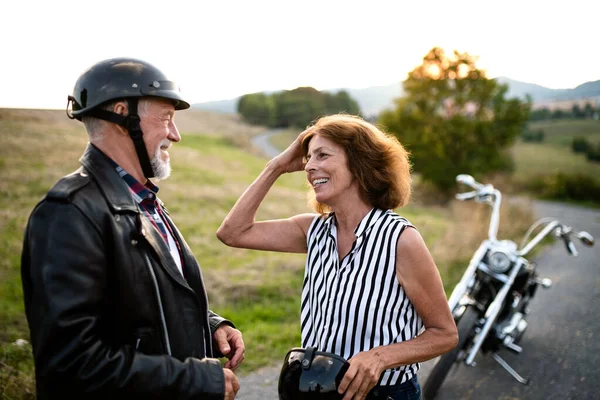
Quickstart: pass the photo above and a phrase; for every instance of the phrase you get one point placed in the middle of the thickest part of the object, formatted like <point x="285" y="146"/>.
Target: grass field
<point x="543" y="162"/>
<point x="213" y="164"/>
<point x="561" y="132"/>
<point x="532" y="159"/>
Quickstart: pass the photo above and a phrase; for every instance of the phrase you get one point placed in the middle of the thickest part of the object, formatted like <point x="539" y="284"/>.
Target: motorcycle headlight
<point x="499" y="261"/>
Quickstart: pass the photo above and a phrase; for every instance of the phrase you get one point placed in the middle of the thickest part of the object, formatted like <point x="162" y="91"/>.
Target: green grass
<point x="562" y="132"/>
<point x="533" y="159"/>
<point x="283" y="139"/>
<point x="544" y="162"/>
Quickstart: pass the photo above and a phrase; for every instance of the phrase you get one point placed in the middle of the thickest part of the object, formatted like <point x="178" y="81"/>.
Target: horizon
<point x="219" y="52"/>
<point x="278" y="90"/>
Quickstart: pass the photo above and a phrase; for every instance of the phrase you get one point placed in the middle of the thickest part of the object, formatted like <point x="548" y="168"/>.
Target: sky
<point x="219" y="50"/>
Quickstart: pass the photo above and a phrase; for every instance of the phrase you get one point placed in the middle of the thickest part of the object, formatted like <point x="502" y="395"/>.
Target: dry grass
<point x="469" y="225"/>
<point x="224" y="125"/>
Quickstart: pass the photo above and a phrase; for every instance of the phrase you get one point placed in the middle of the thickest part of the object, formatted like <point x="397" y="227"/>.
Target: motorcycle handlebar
<point x="469" y="181"/>
<point x="565" y="233"/>
<point x="571" y="248"/>
<point x="483" y="194"/>
<point x="487" y="194"/>
<point x="466" y="196"/>
<point x="562" y="231"/>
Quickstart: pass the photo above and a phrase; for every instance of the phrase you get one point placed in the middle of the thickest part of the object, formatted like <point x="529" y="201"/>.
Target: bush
<point x="593" y="154"/>
<point x="16" y="371"/>
<point x="580" y="145"/>
<point x="533" y="136"/>
<point x="561" y="186"/>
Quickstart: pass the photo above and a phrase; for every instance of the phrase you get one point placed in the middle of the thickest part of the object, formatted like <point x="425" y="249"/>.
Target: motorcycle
<point x="490" y="302"/>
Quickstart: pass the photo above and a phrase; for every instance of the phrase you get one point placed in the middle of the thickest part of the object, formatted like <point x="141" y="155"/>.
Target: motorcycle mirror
<point x="586" y="238"/>
<point x="465" y="179"/>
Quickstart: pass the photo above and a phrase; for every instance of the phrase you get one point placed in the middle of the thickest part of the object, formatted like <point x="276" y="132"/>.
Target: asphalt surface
<point x="263" y="143"/>
<point x="561" y="347"/>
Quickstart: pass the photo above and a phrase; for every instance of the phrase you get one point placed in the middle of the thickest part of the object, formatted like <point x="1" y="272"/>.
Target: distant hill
<point x="374" y="99"/>
<point x="228" y="106"/>
<point x="541" y="93"/>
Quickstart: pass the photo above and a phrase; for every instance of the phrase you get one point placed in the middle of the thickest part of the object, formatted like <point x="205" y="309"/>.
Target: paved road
<point x="561" y="353"/>
<point x="262" y="142"/>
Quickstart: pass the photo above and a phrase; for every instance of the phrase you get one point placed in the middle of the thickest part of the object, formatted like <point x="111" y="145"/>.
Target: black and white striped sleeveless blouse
<point x="357" y="304"/>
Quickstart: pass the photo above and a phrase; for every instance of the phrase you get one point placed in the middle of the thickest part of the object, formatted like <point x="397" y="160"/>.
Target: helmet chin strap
<point x="136" y="134"/>
<point x="130" y="122"/>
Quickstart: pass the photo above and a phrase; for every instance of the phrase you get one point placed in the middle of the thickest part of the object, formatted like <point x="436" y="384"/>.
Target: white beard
<point x="161" y="168"/>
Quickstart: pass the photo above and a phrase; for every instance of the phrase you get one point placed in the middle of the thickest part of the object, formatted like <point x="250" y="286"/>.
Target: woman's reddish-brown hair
<point x="376" y="159"/>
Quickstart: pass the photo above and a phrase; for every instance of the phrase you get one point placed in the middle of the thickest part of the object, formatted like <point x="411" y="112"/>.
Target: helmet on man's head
<point x="309" y="374"/>
<point x="121" y="78"/>
<point x="125" y="79"/>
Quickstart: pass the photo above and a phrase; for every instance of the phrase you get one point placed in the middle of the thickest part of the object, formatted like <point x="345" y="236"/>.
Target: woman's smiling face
<point x="327" y="170"/>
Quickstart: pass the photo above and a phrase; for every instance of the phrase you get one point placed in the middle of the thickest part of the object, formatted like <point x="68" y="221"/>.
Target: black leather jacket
<point x="109" y="313"/>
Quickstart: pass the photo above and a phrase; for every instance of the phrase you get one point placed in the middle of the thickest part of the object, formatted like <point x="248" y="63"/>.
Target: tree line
<point x="294" y="108"/>
<point x="577" y="112"/>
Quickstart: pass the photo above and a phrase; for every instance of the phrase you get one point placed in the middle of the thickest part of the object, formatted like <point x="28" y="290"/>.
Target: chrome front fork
<point x="461" y="288"/>
<point x="492" y="313"/>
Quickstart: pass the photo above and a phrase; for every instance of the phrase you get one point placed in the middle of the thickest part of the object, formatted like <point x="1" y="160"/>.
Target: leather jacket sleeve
<point x="65" y="277"/>
<point x="215" y="321"/>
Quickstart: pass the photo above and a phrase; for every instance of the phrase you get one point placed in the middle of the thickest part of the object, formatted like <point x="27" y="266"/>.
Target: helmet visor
<point x="316" y="378"/>
<point x="165" y="89"/>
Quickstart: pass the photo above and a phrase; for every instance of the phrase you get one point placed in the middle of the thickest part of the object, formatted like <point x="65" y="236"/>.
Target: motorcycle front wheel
<point x="465" y="327"/>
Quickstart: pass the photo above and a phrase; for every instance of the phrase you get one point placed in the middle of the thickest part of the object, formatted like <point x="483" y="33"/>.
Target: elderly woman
<point x="370" y="283"/>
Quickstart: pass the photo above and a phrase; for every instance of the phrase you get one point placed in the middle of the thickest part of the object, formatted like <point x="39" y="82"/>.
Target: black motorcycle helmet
<point x="309" y="374"/>
<point x="122" y="79"/>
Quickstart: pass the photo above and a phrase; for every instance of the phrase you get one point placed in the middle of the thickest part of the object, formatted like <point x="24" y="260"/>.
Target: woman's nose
<point x="309" y="166"/>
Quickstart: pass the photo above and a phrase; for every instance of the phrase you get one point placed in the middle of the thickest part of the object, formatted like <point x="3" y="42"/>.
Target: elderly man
<point x="114" y="298"/>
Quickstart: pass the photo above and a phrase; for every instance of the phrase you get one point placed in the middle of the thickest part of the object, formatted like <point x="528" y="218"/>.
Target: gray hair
<point x="95" y="127"/>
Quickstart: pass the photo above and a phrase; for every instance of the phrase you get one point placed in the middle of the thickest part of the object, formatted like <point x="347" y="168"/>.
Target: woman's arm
<point x="419" y="276"/>
<point x="239" y="228"/>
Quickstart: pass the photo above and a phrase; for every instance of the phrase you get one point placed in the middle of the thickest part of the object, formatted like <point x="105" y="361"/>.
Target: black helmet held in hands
<point x="125" y="79"/>
<point x="309" y="374"/>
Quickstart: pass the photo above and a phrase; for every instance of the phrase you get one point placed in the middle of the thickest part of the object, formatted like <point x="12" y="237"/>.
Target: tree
<point x="580" y="145"/>
<point x="298" y="107"/>
<point x="453" y="119"/>
<point x="540" y="114"/>
<point x="577" y="111"/>
<point x="341" y="102"/>
<point x="257" y="108"/>
<point x="588" y="111"/>
<point x="559" y="114"/>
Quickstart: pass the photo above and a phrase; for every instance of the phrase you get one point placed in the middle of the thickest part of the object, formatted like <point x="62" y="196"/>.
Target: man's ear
<point x="121" y="108"/>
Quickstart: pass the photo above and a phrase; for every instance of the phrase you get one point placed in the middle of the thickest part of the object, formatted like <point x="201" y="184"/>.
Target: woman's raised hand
<point x="292" y="159"/>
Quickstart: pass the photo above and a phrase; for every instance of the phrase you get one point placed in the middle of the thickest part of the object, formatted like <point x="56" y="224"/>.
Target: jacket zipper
<point x="163" y="320"/>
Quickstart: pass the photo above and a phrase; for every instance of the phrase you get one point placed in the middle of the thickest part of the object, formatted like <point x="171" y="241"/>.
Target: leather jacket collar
<point x="115" y="190"/>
